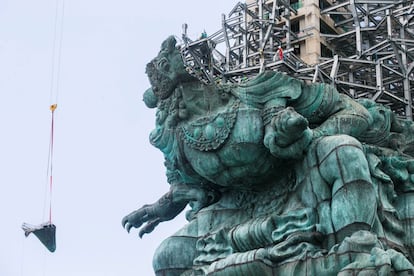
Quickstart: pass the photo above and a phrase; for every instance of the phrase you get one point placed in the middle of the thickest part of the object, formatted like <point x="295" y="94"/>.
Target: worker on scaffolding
<point x="203" y="35"/>
<point x="280" y="52"/>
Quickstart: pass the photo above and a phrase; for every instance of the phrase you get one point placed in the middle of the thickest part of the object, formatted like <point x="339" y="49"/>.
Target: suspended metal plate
<point x="45" y="232"/>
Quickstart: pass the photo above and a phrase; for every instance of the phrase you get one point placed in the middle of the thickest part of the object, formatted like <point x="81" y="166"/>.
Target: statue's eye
<point x="163" y="64"/>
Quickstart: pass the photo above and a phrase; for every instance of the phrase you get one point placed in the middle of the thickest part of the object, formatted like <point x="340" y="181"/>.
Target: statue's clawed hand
<point x="152" y="214"/>
<point x="288" y="134"/>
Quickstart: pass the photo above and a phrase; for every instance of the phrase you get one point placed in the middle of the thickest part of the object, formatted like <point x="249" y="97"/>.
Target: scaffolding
<point x="364" y="48"/>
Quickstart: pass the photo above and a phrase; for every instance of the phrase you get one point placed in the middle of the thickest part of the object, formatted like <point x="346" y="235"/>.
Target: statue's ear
<point x="169" y="44"/>
<point x="149" y="98"/>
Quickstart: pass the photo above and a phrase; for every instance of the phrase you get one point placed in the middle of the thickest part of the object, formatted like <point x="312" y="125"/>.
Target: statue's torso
<point x="227" y="147"/>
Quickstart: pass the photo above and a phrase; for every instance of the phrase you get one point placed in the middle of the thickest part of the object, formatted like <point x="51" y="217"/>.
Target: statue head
<point x="167" y="70"/>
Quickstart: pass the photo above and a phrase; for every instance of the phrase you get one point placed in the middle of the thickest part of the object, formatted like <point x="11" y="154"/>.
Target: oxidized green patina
<point x="282" y="177"/>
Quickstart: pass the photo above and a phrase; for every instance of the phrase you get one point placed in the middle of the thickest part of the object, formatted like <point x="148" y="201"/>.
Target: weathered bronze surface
<point x="283" y="177"/>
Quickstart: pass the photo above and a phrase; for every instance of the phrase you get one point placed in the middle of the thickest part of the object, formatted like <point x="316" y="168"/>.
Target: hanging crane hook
<point x="53" y="107"/>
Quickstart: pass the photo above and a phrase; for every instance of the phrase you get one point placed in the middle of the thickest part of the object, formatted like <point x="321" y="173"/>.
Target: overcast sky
<point x="104" y="166"/>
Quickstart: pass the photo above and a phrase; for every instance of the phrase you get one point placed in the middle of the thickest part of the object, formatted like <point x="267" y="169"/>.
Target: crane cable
<point x="50" y="159"/>
<point x="57" y="50"/>
<point x="54" y="92"/>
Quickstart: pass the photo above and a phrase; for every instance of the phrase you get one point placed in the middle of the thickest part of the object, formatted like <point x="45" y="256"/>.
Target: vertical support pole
<point x="389" y="23"/>
<point x="260" y="15"/>
<point x="351" y="80"/>
<point x="185" y="38"/>
<point x="366" y="19"/>
<point x="261" y="37"/>
<point x="239" y="43"/>
<point x="406" y="82"/>
<point x="379" y="80"/>
<point x="407" y="96"/>
<point x="287" y="24"/>
<point x="226" y="40"/>
<point x="334" y="70"/>
<point x="210" y="65"/>
<point x="358" y="40"/>
<point x="273" y="20"/>
<point x="315" y="75"/>
<point x="245" y="43"/>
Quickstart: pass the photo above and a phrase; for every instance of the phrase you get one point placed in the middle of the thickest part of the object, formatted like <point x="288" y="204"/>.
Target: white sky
<point x="104" y="165"/>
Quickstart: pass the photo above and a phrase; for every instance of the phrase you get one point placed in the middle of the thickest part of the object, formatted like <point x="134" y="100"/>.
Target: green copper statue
<point x="282" y="178"/>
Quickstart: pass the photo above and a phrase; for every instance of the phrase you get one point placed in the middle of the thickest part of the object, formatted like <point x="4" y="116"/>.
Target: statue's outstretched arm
<point x="166" y="208"/>
<point x="349" y="117"/>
